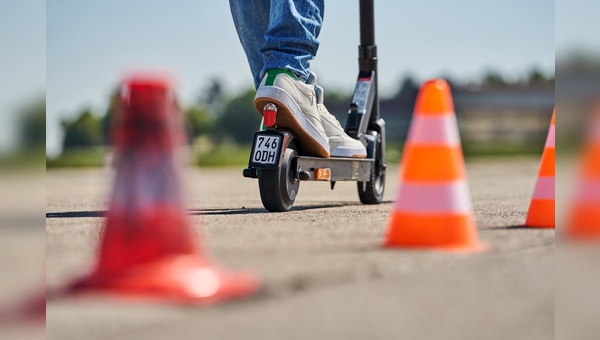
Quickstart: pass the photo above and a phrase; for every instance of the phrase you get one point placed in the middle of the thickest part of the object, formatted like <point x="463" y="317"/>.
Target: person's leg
<point x="291" y="38"/>
<point x="251" y="19"/>
<point x="280" y="38"/>
<point x="278" y="34"/>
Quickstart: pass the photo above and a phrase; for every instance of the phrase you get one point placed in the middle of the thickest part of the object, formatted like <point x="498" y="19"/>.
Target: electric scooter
<point x="277" y="161"/>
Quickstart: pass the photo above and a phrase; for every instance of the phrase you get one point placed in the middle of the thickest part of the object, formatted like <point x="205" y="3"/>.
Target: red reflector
<point x="270" y="116"/>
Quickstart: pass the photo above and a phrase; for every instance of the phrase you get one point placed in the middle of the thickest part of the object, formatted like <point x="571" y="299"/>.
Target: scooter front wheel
<point x="279" y="186"/>
<point x="371" y="191"/>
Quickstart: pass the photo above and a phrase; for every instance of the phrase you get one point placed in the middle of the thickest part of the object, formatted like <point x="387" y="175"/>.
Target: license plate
<point x="266" y="149"/>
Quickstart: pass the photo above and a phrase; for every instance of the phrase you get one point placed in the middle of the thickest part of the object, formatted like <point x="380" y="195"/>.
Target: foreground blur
<point x="22" y="171"/>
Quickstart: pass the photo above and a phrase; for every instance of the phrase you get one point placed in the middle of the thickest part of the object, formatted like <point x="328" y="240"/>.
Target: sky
<point x="90" y="45"/>
<point x="577" y="26"/>
<point x="22" y="61"/>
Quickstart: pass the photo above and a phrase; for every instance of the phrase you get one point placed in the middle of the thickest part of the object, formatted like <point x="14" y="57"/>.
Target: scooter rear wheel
<point x="278" y="187"/>
<point x="371" y="191"/>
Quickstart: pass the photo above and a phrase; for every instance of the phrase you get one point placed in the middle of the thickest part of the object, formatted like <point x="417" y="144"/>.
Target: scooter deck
<point x="342" y="169"/>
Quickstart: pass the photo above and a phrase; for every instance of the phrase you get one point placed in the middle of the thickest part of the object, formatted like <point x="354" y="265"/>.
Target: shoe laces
<point x="323" y="110"/>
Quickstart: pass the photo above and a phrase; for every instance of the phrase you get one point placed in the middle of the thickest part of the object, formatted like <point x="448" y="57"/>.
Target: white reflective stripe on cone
<point x="436" y="130"/>
<point x="433" y="198"/>
<point x="544" y="188"/>
<point x="589" y="192"/>
<point x="551" y="137"/>
<point x="595" y="132"/>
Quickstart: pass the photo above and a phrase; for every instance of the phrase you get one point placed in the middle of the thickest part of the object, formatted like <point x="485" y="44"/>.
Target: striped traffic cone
<point x="583" y="221"/>
<point x="148" y="249"/>
<point x="433" y="206"/>
<point x="541" y="209"/>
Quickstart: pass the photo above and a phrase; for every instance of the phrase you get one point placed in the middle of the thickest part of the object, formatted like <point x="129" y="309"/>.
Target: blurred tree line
<point x="32" y="126"/>
<point x="29" y="145"/>
<point x="214" y="114"/>
<point x="225" y="118"/>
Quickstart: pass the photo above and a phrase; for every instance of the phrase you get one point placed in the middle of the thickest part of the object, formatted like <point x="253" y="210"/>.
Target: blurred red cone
<point x="584" y="218"/>
<point x="148" y="248"/>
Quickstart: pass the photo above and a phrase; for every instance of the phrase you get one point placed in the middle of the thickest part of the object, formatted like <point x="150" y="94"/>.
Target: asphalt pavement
<point x="324" y="272"/>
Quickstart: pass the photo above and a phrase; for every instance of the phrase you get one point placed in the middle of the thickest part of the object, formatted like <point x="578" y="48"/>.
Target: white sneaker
<point x="297" y="109"/>
<point x="341" y="145"/>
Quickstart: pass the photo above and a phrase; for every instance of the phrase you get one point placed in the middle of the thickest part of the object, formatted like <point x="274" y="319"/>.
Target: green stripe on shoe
<point x="273" y="73"/>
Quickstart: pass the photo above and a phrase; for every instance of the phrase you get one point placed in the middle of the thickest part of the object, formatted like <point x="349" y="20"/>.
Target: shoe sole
<point x="342" y="153"/>
<point x="290" y="116"/>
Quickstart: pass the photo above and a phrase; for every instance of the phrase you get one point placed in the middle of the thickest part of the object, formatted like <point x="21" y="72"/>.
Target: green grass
<point x="78" y="158"/>
<point x="476" y="150"/>
<point x="393" y="153"/>
<point x="213" y="156"/>
<point x="23" y="159"/>
<point x="226" y="155"/>
<point x="206" y="154"/>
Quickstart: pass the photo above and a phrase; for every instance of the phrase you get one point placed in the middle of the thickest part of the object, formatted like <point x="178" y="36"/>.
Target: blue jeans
<point x="278" y="34"/>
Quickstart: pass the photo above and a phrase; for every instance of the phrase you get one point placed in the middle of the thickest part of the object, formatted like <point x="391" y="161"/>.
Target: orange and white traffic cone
<point x="583" y="221"/>
<point x="148" y="249"/>
<point x="541" y="209"/>
<point x="433" y="205"/>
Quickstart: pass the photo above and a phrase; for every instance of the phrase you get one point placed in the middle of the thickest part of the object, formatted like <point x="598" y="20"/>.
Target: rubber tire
<point x="278" y="189"/>
<point x="371" y="192"/>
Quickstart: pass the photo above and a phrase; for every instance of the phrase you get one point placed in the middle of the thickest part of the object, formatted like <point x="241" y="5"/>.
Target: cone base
<point x="541" y="214"/>
<point x="37" y="307"/>
<point x="179" y="279"/>
<point x="529" y="225"/>
<point x="32" y="309"/>
<point x="584" y="223"/>
<point x="451" y="233"/>
<point x="478" y="247"/>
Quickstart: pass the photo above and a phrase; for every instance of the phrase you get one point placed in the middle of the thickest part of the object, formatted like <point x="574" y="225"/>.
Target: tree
<point x="494" y="79"/>
<point x="407" y="95"/>
<point x="537" y="77"/>
<point x="200" y="121"/>
<point x="32" y="126"/>
<point x="213" y="95"/>
<point x="109" y="116"/>
<point x="408" y="88"/>
<point x="335" y="98"/>
<point x="238" y="119"/>
<point x="83" y="131"/>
